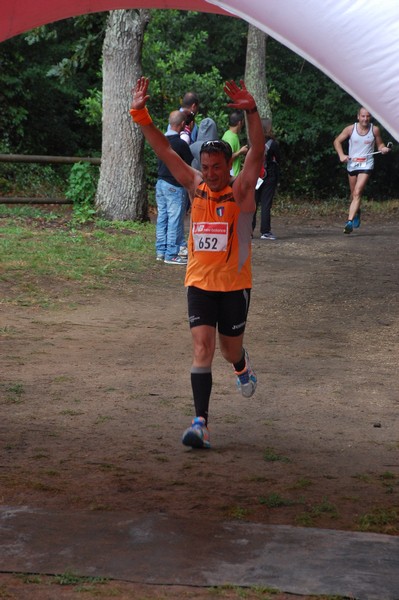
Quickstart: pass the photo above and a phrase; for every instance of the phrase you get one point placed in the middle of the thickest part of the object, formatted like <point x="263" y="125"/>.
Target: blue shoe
<point x="356" y="220"/>
<point x="197" y="436"/>
<point x="348" y="227"/>
<point x="246" y="379"/>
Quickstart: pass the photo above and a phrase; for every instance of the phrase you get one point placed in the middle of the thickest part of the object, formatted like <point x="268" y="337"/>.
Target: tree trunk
<point x="121" y="193"/>
<point x="255" y="70"/>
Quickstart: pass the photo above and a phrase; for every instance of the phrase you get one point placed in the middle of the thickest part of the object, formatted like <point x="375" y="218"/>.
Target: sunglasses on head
<point x="217" y="146"/>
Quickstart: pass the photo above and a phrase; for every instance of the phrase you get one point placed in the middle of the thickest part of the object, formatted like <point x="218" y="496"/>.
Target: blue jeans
<point x="170" y="221"/>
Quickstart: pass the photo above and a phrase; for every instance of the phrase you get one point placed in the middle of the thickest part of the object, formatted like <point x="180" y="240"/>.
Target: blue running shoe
<point x="348" y="227"/>
<point x="246" y="379"/>
<point x="197" y="436"/>
<point x="356" y="220"/>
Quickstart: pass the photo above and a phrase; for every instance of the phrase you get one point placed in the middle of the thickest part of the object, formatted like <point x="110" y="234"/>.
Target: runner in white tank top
<point x="361" y="146"/>
<point x="363" y="136"/>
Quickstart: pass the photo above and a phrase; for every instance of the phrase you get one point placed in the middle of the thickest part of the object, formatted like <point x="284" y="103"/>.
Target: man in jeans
<point x="171" y="198"/>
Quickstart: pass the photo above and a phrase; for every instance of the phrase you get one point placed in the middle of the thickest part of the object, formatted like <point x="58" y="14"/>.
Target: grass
<point x="275" y="500"/>
<point x="13" y="393"/>
<point x="387" y="479"/>
<point x="237" y="512"/>
<point x="261" y="592"/>
<point x="387" y="476"/>
<point x="40" y="250"/>
<point x="380" y="520"/>
<point x="7" y="331"/>
<point x="69" y="578"/>
<point x="270" y="455"/>
<point x="72" y="413"/>
<point x="87" y="587"/>
<point x="365" y="477"/>
<point x="325" y="508"/>
<point x="302" y="483"/>
<point x="15" y="388"/>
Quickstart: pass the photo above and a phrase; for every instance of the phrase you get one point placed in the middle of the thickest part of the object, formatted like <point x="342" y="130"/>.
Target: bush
<point x="82" y="187"/>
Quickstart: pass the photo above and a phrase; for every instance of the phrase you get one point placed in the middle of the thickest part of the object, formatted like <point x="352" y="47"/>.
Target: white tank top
<point x="359" y="146"/>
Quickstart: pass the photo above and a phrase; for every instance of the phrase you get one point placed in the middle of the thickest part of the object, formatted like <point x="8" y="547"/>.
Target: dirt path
<point x="94" y="397"/>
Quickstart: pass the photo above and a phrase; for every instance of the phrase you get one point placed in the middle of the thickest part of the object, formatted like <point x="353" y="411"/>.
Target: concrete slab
<point x="157" y="549"/>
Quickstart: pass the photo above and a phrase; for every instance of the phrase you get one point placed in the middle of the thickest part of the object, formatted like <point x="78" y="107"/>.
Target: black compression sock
<point x="240" y="366"/>
<point x="201" y="383"/>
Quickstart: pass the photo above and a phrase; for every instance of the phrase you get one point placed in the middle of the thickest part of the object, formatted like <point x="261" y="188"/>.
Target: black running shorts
<point x="227" y="310"/>
<point x="358" y="171"/>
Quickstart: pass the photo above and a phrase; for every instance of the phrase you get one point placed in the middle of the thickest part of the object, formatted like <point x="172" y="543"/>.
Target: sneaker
<point x="176" y="260"/>
<point x="160" y="257"/>
<point x="197" y="436"/>
<point x="356" y="220"/>
<point x="183" y="252"/>
<point x="348" y="227"/>
<point x="267" y="236"/>
<point x="246" y="380"/>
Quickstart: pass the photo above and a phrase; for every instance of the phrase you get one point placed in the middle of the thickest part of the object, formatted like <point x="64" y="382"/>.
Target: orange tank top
<point x="219" y="244"/>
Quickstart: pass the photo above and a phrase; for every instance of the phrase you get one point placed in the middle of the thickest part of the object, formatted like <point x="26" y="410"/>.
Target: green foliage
<point x="51" y="81"/>
<point x="32" y="180"/>
<point x="309" y="111"/>
<point x="225" y="47"/>
<point x="91" y="107"/>
<point x="81" y="190"/>
<point x="188" y="58"/>
<point x="39" y="34"/>
<point x="38" y="106"/>
<point x="193" y="58"/>
<point x="177" y="56"/>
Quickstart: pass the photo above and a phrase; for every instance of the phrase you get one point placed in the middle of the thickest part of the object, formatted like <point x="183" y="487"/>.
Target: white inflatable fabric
<point x="355" y="42"/>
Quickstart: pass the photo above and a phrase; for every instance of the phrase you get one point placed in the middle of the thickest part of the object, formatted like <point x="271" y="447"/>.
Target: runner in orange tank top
<point x="218" y="276"/>
<point x="219" y="242"/>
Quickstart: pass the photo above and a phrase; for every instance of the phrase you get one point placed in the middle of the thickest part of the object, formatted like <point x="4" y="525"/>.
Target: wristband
<point x="251" y="111"/>
<point x="141" y="116"/>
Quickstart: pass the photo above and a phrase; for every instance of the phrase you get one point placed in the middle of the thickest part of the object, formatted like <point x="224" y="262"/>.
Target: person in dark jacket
<point x="268" y="181"/>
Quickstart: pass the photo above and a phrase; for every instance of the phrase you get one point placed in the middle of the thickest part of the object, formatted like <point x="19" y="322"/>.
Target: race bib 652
<point x="210" y="237"/>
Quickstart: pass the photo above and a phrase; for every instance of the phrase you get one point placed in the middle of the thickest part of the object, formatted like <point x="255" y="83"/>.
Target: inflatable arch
<point x="355" y="42"/>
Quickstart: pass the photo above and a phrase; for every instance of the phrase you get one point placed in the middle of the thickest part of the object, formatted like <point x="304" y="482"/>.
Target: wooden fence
<point x="61" y="160"/>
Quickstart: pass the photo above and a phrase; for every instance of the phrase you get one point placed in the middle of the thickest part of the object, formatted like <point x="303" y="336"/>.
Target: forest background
<point x="51" y="89"/>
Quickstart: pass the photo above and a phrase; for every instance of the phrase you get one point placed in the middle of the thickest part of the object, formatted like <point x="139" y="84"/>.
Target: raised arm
<point x="245" y="182"/>
<point x="185" y="175"/>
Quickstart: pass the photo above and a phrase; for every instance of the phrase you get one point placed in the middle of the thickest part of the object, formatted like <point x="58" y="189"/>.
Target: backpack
<point x="263" y="171"/>
<point x="271" y="166"/>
